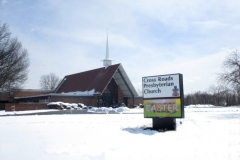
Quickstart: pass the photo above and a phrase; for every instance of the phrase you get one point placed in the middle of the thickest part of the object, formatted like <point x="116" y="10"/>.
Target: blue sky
<point x="148" y="38"/>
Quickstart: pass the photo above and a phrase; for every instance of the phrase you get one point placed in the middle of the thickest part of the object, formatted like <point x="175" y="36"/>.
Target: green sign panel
<point x="170" y="108"/>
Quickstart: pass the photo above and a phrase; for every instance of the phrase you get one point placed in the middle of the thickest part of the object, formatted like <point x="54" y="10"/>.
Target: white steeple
<point x="107" y="62"/>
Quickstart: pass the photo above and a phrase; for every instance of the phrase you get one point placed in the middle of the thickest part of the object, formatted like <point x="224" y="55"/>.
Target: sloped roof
<point x="97" y="79"/>
<point x="122" y="80"/>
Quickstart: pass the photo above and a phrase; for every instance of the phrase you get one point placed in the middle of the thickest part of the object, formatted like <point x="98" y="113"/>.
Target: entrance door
<point x="107" y="100"/>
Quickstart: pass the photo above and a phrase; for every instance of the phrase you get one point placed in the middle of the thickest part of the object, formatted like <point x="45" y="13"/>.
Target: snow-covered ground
<point x="204" y="133"/>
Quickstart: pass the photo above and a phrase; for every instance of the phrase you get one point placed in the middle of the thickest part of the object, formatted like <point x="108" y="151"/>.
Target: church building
<point x="105" y="86"/>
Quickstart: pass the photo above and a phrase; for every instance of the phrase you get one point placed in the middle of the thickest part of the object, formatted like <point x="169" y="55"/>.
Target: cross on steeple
<point x="107" y="62"/>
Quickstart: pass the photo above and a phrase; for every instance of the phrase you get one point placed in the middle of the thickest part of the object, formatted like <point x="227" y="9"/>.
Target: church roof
<point x="97" y="80"/>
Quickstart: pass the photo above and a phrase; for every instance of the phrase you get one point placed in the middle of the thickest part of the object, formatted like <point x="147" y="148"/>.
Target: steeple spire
<point x="107" y="52"/>
<point x="107" y="62"/>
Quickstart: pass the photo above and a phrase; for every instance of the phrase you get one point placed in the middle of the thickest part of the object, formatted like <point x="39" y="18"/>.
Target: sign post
<point x="163" y="100"/>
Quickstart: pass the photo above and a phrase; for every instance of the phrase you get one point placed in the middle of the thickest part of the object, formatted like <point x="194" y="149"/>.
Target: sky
<point x="148" y="38"/>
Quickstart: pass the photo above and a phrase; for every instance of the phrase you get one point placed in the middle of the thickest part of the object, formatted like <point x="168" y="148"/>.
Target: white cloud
<point x="4" y="1"/>
<point x="198" y="73"/>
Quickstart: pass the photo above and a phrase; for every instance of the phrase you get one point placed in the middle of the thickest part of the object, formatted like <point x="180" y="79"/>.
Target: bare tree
<point x="231" y="66"/>
<point x="220" y="94"/>
<point x="49" y="81"/>
<point x="198" y="98"/>
<point x="14" y="61"/>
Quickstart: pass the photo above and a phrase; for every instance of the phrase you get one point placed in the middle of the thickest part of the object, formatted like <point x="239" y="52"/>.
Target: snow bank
<point x="126" y="110"/>
<point x="25" y="112"/>
<point x="200" y="106"/>
<point x="107" y="110"/>
<point x="111" y="110"/>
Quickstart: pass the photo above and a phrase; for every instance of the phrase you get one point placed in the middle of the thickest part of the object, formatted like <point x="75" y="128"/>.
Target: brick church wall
<point x="24" y="106"/>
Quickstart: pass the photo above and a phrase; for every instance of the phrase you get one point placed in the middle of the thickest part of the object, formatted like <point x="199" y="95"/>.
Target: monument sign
<point x="163" y="96"/>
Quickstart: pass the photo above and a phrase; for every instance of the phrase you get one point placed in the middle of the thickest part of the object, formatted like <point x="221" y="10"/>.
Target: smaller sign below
<point x="161" y="86"/>
<point x="170" y="108"/>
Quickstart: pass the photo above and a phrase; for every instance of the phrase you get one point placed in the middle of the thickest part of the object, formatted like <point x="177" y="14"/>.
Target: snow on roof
<point x="91" y="92"/>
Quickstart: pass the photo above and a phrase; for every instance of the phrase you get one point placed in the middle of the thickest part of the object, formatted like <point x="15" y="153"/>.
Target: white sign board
<point x="161" y="86"/>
